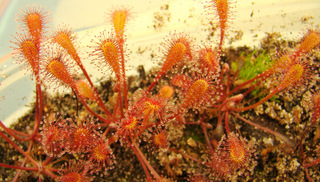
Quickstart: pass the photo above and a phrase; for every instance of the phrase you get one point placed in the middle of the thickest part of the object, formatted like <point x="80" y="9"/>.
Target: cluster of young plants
<point x="192" y="87"/>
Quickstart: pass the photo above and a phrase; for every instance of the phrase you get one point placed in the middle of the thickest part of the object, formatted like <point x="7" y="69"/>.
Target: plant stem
<point x="100" y="102"/>
<point x="39" y="108"/>
<point x="187" y="156"/>
<point x="226" y="122"/>
<point x="10" y="132"/>
<point x="142" y="163"/>
<point x="280" y="136"/>
<point x="274" y="92"/>
<point x="262" y="75"/>
<point x="18" y="148"/>
<point x="205" y="132"/>
<point x="317" y="161"/>
<point x="18" y="167"/>
<point x="38" y="117"/>
<point x="155" y="81"/>
<point x="88" y="108"/>
<point x="251" y="88"/>
<point x="153" y="172"/>
<point x="119" y="104"/>
<point x="87" y="167"/>
<point x="45" y="171"/>
<point x="16" y="177"/>
<point x="125" y="91"/>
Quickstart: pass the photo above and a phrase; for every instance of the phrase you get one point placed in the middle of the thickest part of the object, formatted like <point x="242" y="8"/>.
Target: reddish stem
<point x="317" y="161"/>
<point x="119" y="103"/>
<point x="226" y="122"/>
<point x="302" y="137"/>
<point x="235" y="76"/>
<point x="263" y="75"/>
<point x="307" y="175"/>
<point x="87" y="167"/>
<point x="18" y="167"/>
<point x="46" y="162"/>
<point x="100" y="102"/>
<point x="155" y="81"/>
<point x="274" y="92"/>
<point x="228" y="84"/>
<point x="153" y="172"/>
<point x="18" y="148"/>
<point x="10" y="132"/>
<point x="16" y="177"/>
<point x="88" y="108"/>
<point x="221" y="39"/>
<point x="38" y="117"/>
<point x="94" y="113"/>
<point x="18" y="132"/>
<point x="280" y="136"/>
<point x="251" y="88"/>
<point x="39" y="108"/>
<point x="48" y="173"/>
<point x="125" y="91"/>
<point x="187" y="156"/>
<point x="142" y="163"/>
<point x="205" y="132"/>
<point x="219" y="116"/>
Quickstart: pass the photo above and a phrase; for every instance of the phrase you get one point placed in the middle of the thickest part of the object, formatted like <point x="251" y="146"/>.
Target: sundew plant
<point x="187" y="121"/>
